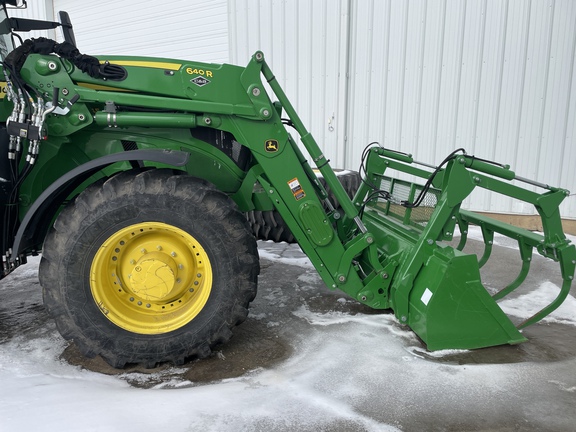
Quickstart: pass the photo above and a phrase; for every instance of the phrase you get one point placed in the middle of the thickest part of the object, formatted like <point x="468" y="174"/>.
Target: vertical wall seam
<point x="522" y="84"/>
<point x="346" y="91"/>
<point x="568" y="101"/>
<point x="296" y="44"/>
<point x="386" y="74"/>
<point x="500" y="80"/>
<point x="421" y="77"/>
<point x="309" y="83"/>
<point x="459" y="79"/>
<point x="439" y="84"/>
<point x="368" y="84"/>
<point x="546" y="79"/>
<point x="324" y="76"/>
<point x="349" y="87"/>
<point x="403" y="76"/>
<point x="494" y="139"/>
<point x="480" y="74"/>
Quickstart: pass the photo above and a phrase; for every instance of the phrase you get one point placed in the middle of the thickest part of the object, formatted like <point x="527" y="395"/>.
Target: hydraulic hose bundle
<point x="26" y="122"/>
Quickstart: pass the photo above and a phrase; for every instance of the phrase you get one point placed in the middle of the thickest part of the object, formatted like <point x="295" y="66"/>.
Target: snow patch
<point x="303" y="262"/>
<point x="527" y="305"/>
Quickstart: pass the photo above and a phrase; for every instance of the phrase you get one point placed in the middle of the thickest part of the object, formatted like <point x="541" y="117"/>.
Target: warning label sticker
<point x="296" y="189"/>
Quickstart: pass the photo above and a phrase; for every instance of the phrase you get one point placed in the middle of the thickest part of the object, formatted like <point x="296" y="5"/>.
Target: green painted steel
<point x="387" y="248"/>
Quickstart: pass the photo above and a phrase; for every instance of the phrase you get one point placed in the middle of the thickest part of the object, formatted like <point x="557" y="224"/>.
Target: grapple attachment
<point x="433" y="287"/>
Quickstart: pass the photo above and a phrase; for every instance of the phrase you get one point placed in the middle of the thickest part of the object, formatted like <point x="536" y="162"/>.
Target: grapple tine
<point x="463" y="226"/>
<point x="544" y="312"/>
<point x="488" y="237"/>
<point x="526" y="255"/>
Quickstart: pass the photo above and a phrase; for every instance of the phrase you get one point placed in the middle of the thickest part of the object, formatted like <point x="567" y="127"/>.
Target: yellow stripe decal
<point x="148" y="64"/>
<point x="103" y="87"/>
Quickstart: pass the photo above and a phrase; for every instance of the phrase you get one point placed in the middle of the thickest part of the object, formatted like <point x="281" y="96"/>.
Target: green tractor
<point x="133" y="176"/>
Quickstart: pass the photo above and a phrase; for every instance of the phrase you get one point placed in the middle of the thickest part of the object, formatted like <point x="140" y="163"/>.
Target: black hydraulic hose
<point x="88" y="64"/>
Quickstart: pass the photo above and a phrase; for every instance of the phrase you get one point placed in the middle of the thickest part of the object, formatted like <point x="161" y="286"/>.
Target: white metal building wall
<point x="426" y="77"/>
<point x="180" y="29"/>
<point x="305" y="44"/>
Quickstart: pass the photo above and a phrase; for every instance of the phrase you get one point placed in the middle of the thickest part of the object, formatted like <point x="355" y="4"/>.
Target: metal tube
<point x="534" y="183"/>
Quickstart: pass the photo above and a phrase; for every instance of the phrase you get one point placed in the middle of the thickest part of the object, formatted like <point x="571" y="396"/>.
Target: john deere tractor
<point x="133" y="176"/>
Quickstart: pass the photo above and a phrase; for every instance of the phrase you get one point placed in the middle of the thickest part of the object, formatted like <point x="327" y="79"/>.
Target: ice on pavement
<point x="319" y="387"/>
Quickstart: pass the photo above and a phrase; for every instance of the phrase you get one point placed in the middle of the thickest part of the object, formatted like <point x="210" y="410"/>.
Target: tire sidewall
<point x="124" y="211"/>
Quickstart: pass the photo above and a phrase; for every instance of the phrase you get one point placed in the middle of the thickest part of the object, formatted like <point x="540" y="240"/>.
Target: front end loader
<point x="132" y="176"/>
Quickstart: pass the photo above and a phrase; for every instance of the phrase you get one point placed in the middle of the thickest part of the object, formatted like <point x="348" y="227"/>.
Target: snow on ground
<point x="343" y="375"/>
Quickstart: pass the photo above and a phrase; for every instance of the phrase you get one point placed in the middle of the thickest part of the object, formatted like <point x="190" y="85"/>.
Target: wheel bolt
<point x="159" y="247"/>
<point x="178" y="280"/>
<point x="131" y="298"/>
<point x="173" y="254"/>
<point x="143" y="250"/>
<point x="180" y="266"/>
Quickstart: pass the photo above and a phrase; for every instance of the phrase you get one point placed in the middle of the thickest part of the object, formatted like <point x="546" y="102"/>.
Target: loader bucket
<point x="436" y="288"/>
<point x="450" y="308"/>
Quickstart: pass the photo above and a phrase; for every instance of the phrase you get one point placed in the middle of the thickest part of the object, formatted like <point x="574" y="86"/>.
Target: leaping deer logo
<point x="271" y="146"/>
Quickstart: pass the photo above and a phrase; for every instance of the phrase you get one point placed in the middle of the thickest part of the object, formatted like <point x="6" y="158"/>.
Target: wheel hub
<point x="154" y="276"/>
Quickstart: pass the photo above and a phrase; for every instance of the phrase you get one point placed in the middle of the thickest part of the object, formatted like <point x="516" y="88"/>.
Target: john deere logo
<point x="271" y="146"/>
<point x="200" y="81"/>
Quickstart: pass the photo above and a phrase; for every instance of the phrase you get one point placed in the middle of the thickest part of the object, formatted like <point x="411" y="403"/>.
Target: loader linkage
<point x="394" y="237"/>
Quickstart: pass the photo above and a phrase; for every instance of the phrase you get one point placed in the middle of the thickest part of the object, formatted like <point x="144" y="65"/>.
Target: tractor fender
<point x="38" y="219"/>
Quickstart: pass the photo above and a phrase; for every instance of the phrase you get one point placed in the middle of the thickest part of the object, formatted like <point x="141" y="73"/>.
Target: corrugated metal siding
<point x="305" y="44"/>
<point x="429" y="76"/>
<point x="41" y="10"/>
<point x="181" y="29"/>
<point x="496" y="77"/>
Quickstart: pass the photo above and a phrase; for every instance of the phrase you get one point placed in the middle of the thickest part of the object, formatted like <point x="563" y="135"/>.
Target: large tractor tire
<point x="269" y="225"/>
<point x="148" y="267"/>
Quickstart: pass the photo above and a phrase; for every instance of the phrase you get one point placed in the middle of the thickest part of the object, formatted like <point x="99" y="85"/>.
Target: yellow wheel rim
<point x="151" y="278"/>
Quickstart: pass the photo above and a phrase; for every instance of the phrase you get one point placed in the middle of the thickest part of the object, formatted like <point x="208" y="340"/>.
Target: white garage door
<point x="181" y="29"/>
